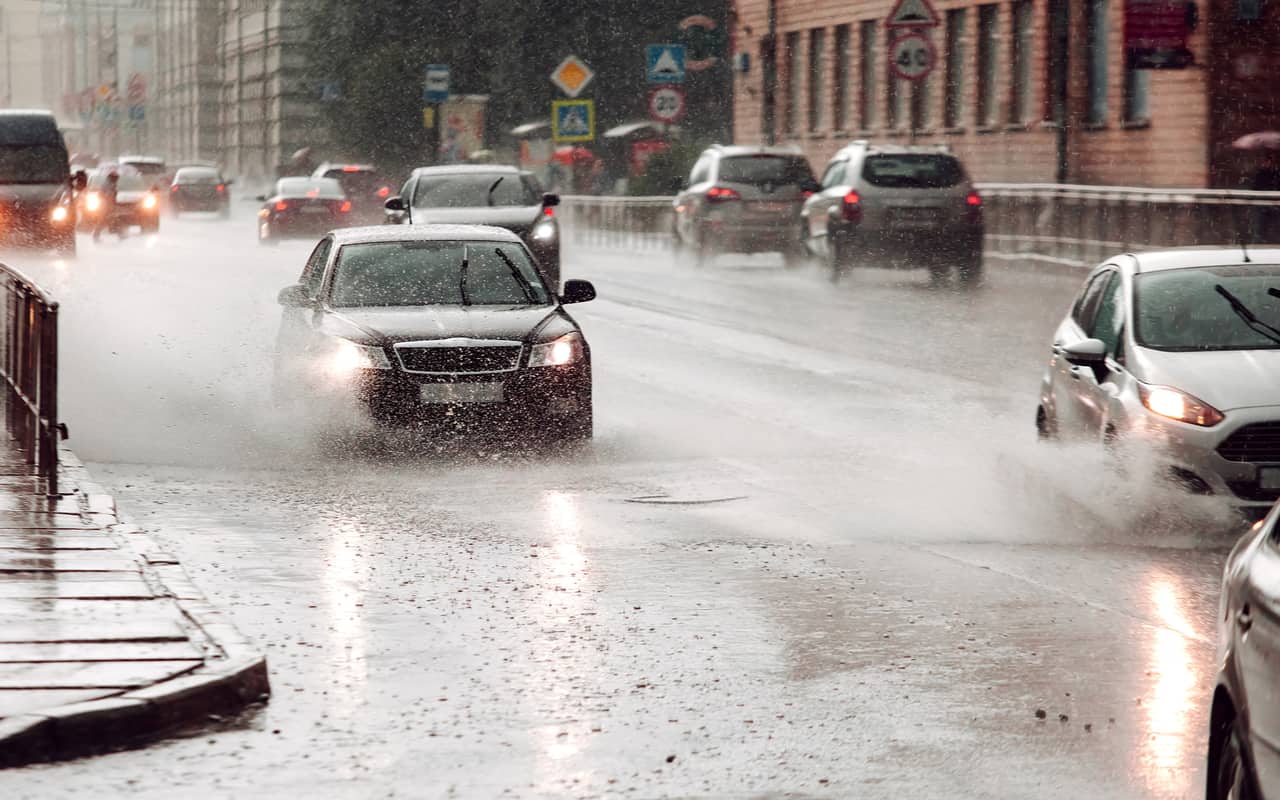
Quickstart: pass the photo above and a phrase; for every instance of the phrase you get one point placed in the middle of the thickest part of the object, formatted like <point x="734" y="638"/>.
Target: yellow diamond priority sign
<point x="572" y="76"/>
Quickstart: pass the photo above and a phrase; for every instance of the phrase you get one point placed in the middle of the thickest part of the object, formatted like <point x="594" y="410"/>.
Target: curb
<point x="233" y="675"/>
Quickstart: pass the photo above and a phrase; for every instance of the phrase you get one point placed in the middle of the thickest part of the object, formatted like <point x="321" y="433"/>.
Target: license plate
<point x="1269" y="478"/>
<point x="314" y="210"/>
<point x="916" y="217"/>
<point x="773" y="208"/>
<point x="457" y="393"/>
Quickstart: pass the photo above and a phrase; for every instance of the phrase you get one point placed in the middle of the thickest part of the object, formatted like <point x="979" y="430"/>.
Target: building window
<point x="1137" y="95"/>
<point x="988" y="54"/>
<point x="899" y="94"/>
<point x="953" y="112"/>
<point x="867" y="70"/>
<point x="840" y="79"/>
<point x="1097" y="63"/>
<point x="921" y="109"/>
<point x="1020" y="54"/>
<point x="817" y="42"/>
<point x="795" y="73"/>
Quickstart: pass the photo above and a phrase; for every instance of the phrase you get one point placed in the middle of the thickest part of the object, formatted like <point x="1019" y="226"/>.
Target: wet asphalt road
<point x="814" y="550"/>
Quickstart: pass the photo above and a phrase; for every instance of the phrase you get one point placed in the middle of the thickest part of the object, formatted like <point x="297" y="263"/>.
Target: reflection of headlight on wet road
<point x="565" y="350"/>
<point x="59" y="214"/>
<point x="348" y="357"/>
<point x="544" y="232"/>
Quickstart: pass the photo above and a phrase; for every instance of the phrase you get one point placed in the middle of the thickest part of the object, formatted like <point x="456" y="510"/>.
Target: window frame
<point x="814" y="91"/>
<point x="954" y="89"/>
<point x="986" y="109"/>
<point x="842" y="62"/>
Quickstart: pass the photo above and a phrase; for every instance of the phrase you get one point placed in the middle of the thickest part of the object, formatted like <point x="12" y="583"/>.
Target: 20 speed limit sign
<point x="666" y="104"/>
<point x="911" y="57"/>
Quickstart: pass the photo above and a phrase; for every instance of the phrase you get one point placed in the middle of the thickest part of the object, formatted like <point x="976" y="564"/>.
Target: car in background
<point x="743" y="200"/>
<point x="424" y="322"/>
<point x="152" y="168"/>
<point x="365" y="186"/>
<point x="305" y="207"/>
<point x="137" y="201"/>
<point x="1175" y="355"/>
<point x="502" y="196"/>
<point x="901" y="206"/>
<point x="36" y="184"/>
<point x="1244" y="720"/>
<point x="199" y="189"/>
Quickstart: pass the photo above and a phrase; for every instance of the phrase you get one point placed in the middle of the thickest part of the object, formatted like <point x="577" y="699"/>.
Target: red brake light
<point x="345" y="207"/>
<point x="313" y="193"/>
<point x="282" y="205"/>
<point x="384" y="192"/>
<point x="548" y="212"/>
<point x="222" y="187"/>
<point x="720" y="194"/>
<point x="350" y="169"/>
<point x="807" y="193"/>
<point x="173" y="188"/>
<point x="974" y="199"/>
<point x="852" y="209"/>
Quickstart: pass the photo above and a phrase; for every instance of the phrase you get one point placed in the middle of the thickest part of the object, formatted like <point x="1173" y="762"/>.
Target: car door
<point x="687" y="205"/>
<point x="1069" y="407"/>
<point x="1255" y="630"/>
<point x="1097" y="389"/>
<point x="297" y="322"/>
<point x="818" y="207"/>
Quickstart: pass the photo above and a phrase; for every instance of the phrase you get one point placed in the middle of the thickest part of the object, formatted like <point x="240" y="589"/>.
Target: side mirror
<point x="678" y="185"/>
<point x="262" y="198"/>
<point x="395" y="203"/>
<point x="295" y="296"/>
<point x="576" y="291"/>
<point x="810" y="185"/>
<point x="550" y="200"/>
<point x="1086" y="353"/>
<point x="79" y="180"/>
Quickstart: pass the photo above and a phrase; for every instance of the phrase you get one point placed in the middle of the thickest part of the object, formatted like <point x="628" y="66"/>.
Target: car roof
<point x="423" y="233"/>
<point x="328" y="165"/>
<point x="469" y="169"/>
<point x="1192" y="257"/>
<point x="893" y="148"/>
<point x="729" y="151"/>
<point x="141" y="159"/>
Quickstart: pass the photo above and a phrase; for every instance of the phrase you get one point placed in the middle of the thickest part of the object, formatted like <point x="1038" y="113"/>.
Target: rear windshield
<point x="474" y="190"/>
<point x="309" y="187"/>
<point x="365" y="181"/>
<point x="1185" y="309"/>
<point x="41" y="163"/>
<point x="912" y="171"/>
<point x="431" y="273"/>
<point x="148" y="168"/>
<point x="759" y="170"/>
<point x="200" y="175"/>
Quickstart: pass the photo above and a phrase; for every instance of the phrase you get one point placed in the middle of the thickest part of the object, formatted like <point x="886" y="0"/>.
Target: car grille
<point x="1257" y="443"/>
<point x="464" y="360"/>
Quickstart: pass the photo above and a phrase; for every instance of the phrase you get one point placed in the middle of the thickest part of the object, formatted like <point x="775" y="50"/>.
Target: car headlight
<point x="544" y="232"/>
<point x="92" y="201"/>
<point x="59" y="214"/>
<point x="1178" y="405"/>
<point x="565" y="350"/>
<point x="347" y="357"/>
<point x="149" y="201"/>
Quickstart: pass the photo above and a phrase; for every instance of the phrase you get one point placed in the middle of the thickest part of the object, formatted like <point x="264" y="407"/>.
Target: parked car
<point x="36" y="184"/>
<point x="896" y="206"/>
<point x="1176" y="354"/>
<point x="1244" y="722"/>
<point x="743" y="200"/>
<point x="199" y="189"/>
<point x="365" y="186"/>
<point x="302" y="207"/>
<point x="137" y="201"/>
<point x="425" y="321"/>
<point x="484" y="195"/>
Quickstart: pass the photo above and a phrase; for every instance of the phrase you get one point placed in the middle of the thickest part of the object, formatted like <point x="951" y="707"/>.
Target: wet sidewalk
<point x="104" y="642"/>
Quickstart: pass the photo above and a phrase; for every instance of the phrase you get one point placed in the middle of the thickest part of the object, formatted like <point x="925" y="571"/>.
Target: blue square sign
<point x="664" y="63"/>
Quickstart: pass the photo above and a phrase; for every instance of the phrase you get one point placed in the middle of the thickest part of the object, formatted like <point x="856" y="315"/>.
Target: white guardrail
<point x="1062" y="223"/>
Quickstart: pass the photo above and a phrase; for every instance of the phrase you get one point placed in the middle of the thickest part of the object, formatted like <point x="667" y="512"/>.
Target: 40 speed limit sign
<point x="666" y="104"/>
<point x="912" y="57"/>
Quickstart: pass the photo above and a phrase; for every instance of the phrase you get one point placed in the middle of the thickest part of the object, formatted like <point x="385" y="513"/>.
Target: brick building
<point x="1023" y="90"/>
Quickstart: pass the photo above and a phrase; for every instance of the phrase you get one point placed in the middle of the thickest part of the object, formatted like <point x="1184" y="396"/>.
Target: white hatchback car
<point x="1177" y="351"/>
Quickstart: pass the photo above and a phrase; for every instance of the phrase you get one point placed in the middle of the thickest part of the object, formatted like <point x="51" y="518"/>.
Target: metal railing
<point x="29" y="359"/>
<point x="1067" y="224"/>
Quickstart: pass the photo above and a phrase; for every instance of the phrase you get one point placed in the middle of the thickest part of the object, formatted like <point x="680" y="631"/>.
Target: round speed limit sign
<point x="911" y="57"/>
<point x="666" y="104"/>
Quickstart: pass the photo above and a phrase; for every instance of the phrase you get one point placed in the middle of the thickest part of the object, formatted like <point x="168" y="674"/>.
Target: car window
<point x="474" y="190"/>
<point x="41" y="163"/>
<point x="834" y="176"/>
<point x="313" y="273"/>
<point x="762" y="169"/>
<point x="309" y="187"/>
<point x="418" y="273"/>
<point x="701" y="172"/>
<point x="1109" y="319"/>
<point x="1186" y="309"/>
<point x="912" y="170"/>
<point x="1087" y="303"/>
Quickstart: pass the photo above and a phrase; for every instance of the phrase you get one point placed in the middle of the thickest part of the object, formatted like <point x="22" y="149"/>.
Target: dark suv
<point x="743" y="200"/>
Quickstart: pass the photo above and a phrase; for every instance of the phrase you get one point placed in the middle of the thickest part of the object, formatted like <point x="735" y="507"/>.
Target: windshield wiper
<point x="462" y="276"/>
<point x="525" y="286"/>
<point x="1250" y="319"/>
<point x="489" y="196"/>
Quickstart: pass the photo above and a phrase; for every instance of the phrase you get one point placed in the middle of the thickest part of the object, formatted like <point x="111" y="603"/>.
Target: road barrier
<point x="1059" y="223"/>
<point x="29" y="355"/>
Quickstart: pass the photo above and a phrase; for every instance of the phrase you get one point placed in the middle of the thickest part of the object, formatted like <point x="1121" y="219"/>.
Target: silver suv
<point x="743" y="200"/>
<point x="896" y="206"/>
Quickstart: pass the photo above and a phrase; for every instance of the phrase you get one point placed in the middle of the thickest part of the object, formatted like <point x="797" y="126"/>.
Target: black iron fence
<point x="1072" y="225"/>
<point x="29" y="354"/>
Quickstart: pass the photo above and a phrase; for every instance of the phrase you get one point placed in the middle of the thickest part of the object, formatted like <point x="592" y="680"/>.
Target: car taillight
<point x="973" y="207"/>
<point x="722" y="194"/>
<point x="222" y="187"/>
<point x="974" y="200"/>
<point x="174" y="188"/>
<point x="281" y="205"/>
<point x="384" y="192"/>
<point x="350" y="169"/>
<point x="548" y="212"/>
<point x="851" y="208"/>
<point x="345" y="207"/>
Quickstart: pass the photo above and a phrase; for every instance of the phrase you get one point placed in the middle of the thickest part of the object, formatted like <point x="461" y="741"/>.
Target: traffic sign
<point x="666" y="103"/>
<point x="573" y="121"/>
<point x="913" y="14"/>
<point x="664" y="63"/>
<point x="435" y="84"/>
<point x="572" y="76"/>
<point x="912" y="57"/>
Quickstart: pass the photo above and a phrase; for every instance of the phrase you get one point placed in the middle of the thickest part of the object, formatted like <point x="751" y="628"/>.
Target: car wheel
<point x="839" y="256"/>
<point x="1229" y="777"/>
<point x="703" y="250"/>
<point x="1046" y="431"/>
<point x="970" y="269"/>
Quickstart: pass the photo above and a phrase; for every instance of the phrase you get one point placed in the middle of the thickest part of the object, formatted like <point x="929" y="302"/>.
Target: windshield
<point x="471" y="190"/>
<point x="1183" y="309"/>
<point x="431" y="273"/>
<point x="759" y="170"/>
<point x="309" y="187"/>
<point x="41" y="163"/>
<point x="912" y="171"/>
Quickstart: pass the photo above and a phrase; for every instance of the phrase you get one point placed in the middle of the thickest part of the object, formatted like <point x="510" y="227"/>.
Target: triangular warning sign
<point x="913" y="14"/>
<point x="667" y="64"/>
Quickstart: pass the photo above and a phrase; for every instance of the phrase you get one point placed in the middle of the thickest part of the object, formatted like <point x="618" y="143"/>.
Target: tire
<point x="703" y="250"/>
<point x="1229" y="775"/>
<point x="969" y="269"/>
<point x="1045" y="429"/>
<point x="839" y="256"/>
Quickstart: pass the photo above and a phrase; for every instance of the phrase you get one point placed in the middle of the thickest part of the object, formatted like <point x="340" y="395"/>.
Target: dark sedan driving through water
<point x="426" y="322"/>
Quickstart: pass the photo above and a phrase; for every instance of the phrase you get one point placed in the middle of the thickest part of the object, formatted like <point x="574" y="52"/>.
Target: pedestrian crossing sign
<point x="573" y="121"/>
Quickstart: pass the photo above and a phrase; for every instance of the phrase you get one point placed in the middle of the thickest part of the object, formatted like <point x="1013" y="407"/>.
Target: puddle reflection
<point x="1172" y="745"/>
<point x="344" y="600"/>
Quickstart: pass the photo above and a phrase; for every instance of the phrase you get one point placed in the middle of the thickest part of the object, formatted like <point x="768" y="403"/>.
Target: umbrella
<point x="1261" y="140"/>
